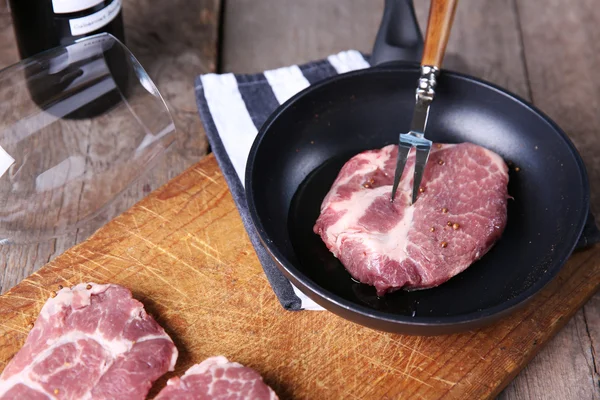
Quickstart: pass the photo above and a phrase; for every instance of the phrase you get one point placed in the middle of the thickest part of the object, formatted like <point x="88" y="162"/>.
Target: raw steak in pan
<point x="90" y="342"/>
<point x="459" y="215"/>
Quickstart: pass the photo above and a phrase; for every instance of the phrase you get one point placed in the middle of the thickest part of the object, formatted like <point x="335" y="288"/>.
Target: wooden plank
<point x="563" y="370"/>
<point x="266" y="34"/>
<point x="174" y="251"/>
<point x="561" y="42"/>
<point x="8" y="49"/>
<point x="174" y="41"/>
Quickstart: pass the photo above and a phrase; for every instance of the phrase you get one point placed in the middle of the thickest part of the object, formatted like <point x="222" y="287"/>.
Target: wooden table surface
<point x="543" y="50"/>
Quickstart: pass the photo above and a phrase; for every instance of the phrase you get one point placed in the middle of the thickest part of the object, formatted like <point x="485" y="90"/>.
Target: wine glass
<point x="78" y="125"/>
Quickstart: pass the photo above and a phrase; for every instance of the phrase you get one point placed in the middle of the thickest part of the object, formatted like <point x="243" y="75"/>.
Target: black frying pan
<point x="303" y="145"/>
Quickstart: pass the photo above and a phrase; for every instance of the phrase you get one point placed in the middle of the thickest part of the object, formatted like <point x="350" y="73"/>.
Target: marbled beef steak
<point x="90" y="342"/>
<point x="459" y="215"/>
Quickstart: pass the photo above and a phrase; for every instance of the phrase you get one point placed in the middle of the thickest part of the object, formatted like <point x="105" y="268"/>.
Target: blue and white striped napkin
<point x="233" y="108"/>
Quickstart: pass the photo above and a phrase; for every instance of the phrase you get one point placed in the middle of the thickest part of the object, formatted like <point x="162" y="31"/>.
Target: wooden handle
<point x="441" y="15"/>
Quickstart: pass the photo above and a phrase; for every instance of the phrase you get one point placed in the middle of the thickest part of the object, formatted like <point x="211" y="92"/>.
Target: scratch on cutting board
<point x="42" y="291"/>
<point x="154" y="213"/>
<point x="156" y="202"/>
<point x="389" y="367"/>
<point x="92" y="270"/>
<point x="184" y="207"/>
<point x="217" y="259"/>
<point x="399" y="343"/>
<point x="24" y="315"/>
<point x="409" y="367"/>
<point x="193" y="198"/>
<point x="451" y="384"/>
<point x="187" y="244"/>
<point x="350" y="395"/>
<point x="137" y="227"/>
<point x="224" y="313"/>
<point x="14" y="296"/>
<point x="241" y="283"/>
<point x="55" y="272"/>
<point x="83" y="266"/>
<point x="219" y="317"/>
<point x="386" y="344"/>
<point x="169" y="305"/>
<point x="108" y="255"/>
<point x="376" y="381"/>
<point x="34" y="283"/>
<point x="156" y="274"/>
<point x="263" y="328"/>
<point x="416" y="350"/>
<point x="168" y="253"/>
<point x="181" y="310"/>
<point x="15" y="328"/>
<point x="205" y="243"/>
<point x="204" y="174"/>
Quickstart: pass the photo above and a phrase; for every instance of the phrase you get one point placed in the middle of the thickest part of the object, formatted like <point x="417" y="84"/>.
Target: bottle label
<point x="84" y="48"/>
<point x="95" y="21"/>
<point x="69" y="6"/>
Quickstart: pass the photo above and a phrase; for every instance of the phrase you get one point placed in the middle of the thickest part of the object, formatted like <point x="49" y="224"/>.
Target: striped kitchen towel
<point x="233" y="108"/>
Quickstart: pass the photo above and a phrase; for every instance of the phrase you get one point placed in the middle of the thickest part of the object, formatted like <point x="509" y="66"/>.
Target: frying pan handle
<point x="399" y="37"/>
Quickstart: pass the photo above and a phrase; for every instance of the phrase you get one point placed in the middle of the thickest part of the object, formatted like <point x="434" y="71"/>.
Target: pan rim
<point x="457" y="321"/>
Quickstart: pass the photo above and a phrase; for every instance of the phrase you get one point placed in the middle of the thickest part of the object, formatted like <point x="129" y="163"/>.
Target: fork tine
<point x="403" y="151"/>
<point x="420" y="161"/>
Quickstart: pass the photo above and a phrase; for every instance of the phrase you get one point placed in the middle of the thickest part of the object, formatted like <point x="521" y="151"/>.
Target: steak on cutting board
<point x="90" y="342"/>
<point x="459" y="215"/>
<point x="217" y="378"/>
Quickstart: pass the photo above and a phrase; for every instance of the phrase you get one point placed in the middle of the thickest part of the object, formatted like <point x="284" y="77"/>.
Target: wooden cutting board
<point x="184" y="253"/>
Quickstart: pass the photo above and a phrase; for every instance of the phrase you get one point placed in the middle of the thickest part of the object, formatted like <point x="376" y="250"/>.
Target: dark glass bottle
<point x="41" y="25"/>
<point x="44" y="24"/>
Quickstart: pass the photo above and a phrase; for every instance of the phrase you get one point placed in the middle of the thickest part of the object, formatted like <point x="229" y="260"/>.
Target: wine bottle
<point x="41" y="25"/>
<point x="44" y="24"/>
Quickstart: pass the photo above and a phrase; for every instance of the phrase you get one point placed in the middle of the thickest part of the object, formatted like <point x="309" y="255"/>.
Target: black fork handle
<point x="399" y="37"/>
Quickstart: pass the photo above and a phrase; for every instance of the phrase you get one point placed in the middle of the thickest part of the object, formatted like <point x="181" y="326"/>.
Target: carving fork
<point x="441" y="15"/>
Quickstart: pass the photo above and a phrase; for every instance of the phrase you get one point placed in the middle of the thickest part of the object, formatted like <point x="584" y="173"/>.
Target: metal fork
<point x="441" y="15"/>
<point x="416" y="136"/>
